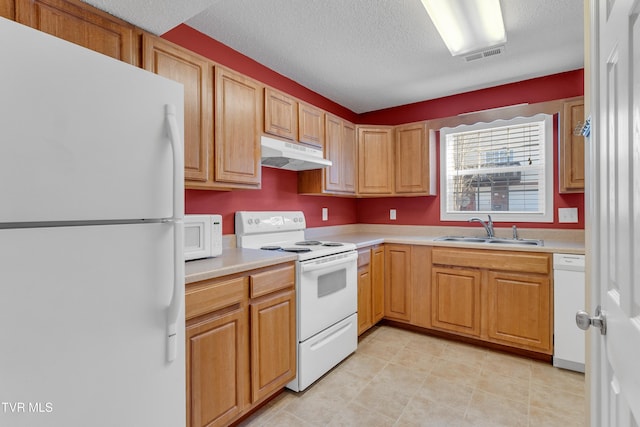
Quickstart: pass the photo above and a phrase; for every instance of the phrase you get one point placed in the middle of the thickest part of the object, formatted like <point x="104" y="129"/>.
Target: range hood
<point x="280" y="154"/>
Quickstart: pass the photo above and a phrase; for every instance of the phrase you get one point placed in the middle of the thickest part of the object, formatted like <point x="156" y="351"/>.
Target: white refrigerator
<point x="91" y="245"/>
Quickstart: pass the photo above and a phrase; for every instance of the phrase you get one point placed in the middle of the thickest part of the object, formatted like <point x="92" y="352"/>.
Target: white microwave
<point x="202" y="236"/>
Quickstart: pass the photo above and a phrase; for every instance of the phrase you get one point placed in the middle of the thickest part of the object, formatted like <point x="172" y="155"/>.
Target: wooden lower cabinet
<point x="370" y="287"/>
<point x="519" y="310"/>
<point x="494" y="296"/>
<point x="377" y="283"/>
<point x="455" y="300"/>
<point x="217" y="369"/>
<point x="365" y="316"/>
<point x="397" y="284"/>
<point x="273" y="344"/>
<point x="240" y="343"/>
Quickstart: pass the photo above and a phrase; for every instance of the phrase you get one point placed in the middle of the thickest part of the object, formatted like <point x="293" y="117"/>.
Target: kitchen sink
<point x="490" y="240"/>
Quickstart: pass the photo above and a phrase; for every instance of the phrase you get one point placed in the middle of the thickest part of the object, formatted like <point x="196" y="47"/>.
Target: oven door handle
<point x="314" y="265"/>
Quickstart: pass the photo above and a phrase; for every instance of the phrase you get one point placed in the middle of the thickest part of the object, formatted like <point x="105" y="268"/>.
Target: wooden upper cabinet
<point x="349" y="157"/>
<point x="334" y="175"/>
<point x="375" y="160"/>
<point x="412" y="164"/>
<point x="81" y="24"/>
<point x="8" y="9"/>
<point x="168" y="60"/>
<point x="238" y="126"/>
<point x="310" y="125"/>
<point x="280" y="114"/>
<point x="572" y="149"/>
<point x="340" y="148"/>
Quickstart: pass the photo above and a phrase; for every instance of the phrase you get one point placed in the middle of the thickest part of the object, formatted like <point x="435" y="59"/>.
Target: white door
<point x="613" y="200"/>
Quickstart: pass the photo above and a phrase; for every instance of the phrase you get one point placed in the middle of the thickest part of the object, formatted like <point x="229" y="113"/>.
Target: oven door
<point x="327" y="292"/>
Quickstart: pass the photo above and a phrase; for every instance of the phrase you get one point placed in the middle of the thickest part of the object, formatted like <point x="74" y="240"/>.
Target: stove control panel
<point x="254" y="222"/>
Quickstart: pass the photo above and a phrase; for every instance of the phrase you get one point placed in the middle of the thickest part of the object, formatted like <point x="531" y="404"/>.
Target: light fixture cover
<point x="467" y="26"/>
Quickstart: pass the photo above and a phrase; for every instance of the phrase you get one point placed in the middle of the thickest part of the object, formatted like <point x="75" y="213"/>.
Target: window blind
<point x="501" y="168"/>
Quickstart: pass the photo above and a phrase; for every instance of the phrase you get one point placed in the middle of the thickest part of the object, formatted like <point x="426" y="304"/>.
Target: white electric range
<point x="326" y="289"/>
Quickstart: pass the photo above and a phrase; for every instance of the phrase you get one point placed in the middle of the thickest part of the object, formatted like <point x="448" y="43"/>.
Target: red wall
<point x="279" y="193"/>
<point x="556" y="86"/>
<point x="204" y="45"/>
<point x="426" y="210"/>
<point x="279" y="187"/>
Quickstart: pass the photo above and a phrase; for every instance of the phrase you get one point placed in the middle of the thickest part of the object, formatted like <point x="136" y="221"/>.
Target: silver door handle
<point x="584" y="320"/>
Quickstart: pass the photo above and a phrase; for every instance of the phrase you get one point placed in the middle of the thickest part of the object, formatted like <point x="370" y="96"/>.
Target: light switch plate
<point x="325" y="214"/>
<point x="392" y="214"/>
<point x="568" y="215"/>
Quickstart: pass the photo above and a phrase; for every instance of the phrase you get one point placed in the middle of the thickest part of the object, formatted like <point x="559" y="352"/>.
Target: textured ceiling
<point x="371" y="54"/>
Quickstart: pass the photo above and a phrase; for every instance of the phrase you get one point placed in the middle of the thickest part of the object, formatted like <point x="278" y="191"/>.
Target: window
<point x="503" y="168"/>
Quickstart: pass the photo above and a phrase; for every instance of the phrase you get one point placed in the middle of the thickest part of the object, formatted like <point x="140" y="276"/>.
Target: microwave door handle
<point x="324" y="265"/>
<point x="177" y="297"/>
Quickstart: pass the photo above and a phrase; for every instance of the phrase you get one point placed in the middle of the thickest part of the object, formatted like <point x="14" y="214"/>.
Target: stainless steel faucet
<point x="488" y="226"/>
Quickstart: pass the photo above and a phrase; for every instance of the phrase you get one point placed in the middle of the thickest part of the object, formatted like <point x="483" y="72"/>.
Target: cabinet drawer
<point x="210" y="297"/>
<point x="494" y="260"/>
<point x="272" y="280"/>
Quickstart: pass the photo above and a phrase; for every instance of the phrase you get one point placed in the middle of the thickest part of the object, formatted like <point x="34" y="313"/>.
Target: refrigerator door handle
<point x="177" y="297"/>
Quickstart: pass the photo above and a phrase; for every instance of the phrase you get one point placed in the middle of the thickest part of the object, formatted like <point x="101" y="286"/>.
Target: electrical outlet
<point x="392" y="214"/>
<point x="568" y="215"/>
<point x="325" y="214"/>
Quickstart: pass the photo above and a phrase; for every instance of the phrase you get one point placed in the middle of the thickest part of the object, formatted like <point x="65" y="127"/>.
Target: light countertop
<point x="233" y="260"/>
<point x="236" y="260"/>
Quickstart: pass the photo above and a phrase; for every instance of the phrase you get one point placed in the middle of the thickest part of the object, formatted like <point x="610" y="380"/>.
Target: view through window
<point x="503" y="168"/>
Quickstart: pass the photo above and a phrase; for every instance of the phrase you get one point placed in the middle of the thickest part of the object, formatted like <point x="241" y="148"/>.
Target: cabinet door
<point x="421" y="286"/>
<point x="455" y="300"/>
<point x="333" y="152"/>
<point x="397" y="292"/>
<point x="364" y="299"/>
<point x="280" y="114"/>
<point x="375" y="160"/>
<point x="572" y="149"/>
<point x="377" y="283"/>
<point x="81" y="24"/>
<point x="519" y="310"/>
<point x="349" y="157"/>
<point x="310" y="125"/>
<point x="173" y="62"/>
<point x="238" y="124"/>
<point x="273" y="344"/>
<point x="365" y="318"/>
<point x="412" y="159"/>
<point x="7" y="9"/>
<point x="217" y="364"/>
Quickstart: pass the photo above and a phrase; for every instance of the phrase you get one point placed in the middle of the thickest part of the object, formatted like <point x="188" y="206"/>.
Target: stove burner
<point x="271" y="248"/>
<point x="332" y="244"/>
<point x="296" y="250"/>
<point x="309" y="243"/>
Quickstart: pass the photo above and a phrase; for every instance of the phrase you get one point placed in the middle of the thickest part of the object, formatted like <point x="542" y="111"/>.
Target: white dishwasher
<point x="568" y="298"/>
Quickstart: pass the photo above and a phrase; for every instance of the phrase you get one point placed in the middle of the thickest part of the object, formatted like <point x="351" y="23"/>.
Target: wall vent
<point x="485" y="53"/>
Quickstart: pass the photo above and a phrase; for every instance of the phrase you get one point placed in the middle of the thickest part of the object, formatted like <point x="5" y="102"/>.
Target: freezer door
<point x="83" y="314"/>
<point x="83" y="136"/>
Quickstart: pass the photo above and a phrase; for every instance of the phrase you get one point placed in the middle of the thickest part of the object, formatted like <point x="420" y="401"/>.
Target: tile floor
<point x="401" y="378"/>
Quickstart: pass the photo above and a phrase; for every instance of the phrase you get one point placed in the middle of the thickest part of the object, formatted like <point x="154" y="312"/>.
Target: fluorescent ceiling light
<point x="467" y="26"/>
